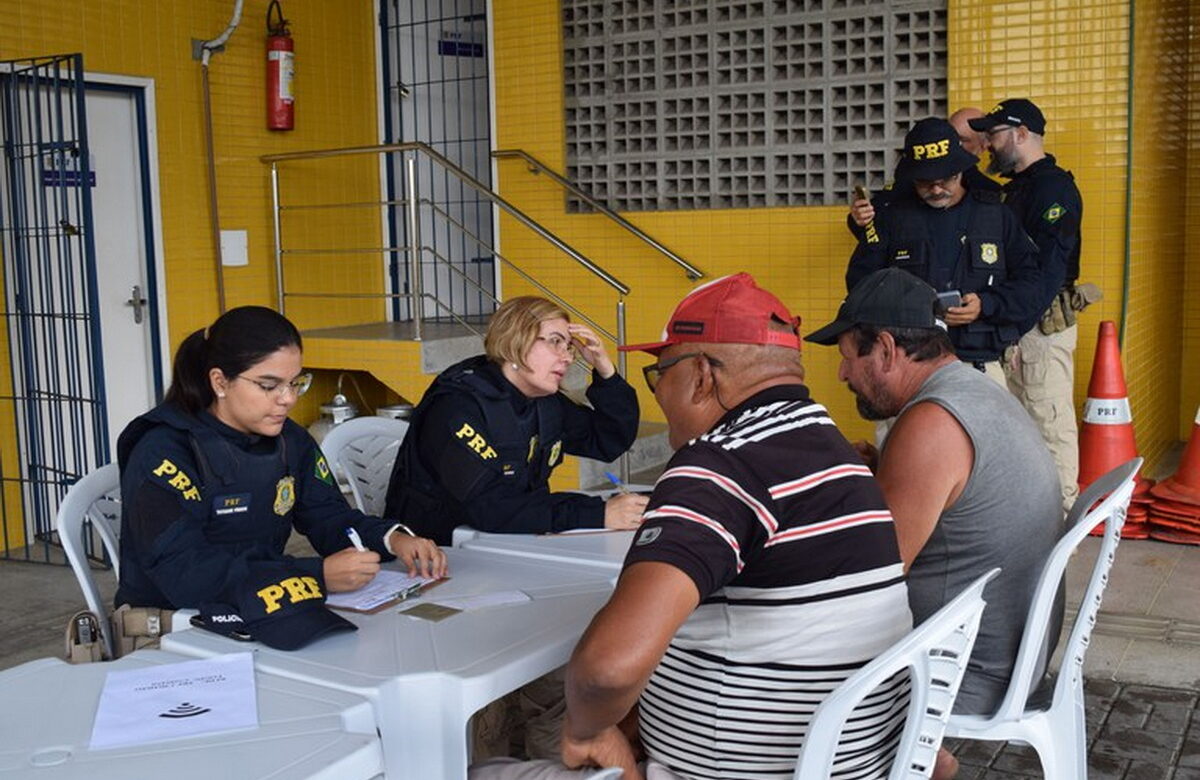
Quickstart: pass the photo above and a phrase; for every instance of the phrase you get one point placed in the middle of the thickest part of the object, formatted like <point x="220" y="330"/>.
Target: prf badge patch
<point x="555" y="453"/>
<point x="285" y="495"/>
<point x="1054" y="213"/>
<point x="988" y="253"/>
<point x="321" y="470"/>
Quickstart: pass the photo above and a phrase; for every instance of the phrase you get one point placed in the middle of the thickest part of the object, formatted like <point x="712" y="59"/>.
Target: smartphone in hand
<point x="949" y="299"/>
<point x="860" y="193"/>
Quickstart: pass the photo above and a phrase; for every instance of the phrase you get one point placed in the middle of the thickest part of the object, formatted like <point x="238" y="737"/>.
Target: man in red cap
<point x="765" y="572"/>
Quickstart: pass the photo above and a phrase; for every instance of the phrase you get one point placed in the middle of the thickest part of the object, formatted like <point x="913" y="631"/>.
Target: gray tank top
<point x="1009" y="515"/>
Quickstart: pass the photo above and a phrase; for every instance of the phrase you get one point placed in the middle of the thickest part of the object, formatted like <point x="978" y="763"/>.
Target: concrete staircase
<point x="388" y="351"/>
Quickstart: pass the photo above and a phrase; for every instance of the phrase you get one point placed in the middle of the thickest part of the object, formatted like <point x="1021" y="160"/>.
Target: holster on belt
<point x="84" y="642"/>
<point x="1069" y="301"/>
<point x="137" y="627"/>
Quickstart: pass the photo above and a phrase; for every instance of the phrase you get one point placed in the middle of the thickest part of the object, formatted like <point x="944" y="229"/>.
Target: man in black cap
<point x="964" y="471"/>
<point x="1046" y="201"/>
<point x="960" y="240"/>
<point x="863" y="211"/>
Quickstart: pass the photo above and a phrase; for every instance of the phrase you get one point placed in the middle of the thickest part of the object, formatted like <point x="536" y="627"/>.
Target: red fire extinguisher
<point x="281" y="71"/>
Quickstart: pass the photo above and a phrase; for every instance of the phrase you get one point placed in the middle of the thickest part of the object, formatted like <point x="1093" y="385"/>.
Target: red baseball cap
<point x="729" y="310"/>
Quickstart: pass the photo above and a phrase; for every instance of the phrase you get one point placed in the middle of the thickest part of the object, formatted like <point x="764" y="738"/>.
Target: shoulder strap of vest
<point x="987" y="220"/>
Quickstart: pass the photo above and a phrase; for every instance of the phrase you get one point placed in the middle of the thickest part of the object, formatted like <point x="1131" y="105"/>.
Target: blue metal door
<point x="53" y="428"/>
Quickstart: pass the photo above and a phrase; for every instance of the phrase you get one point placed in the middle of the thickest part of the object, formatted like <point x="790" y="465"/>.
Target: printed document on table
<point x="176" y="700"/>
<point x="387" y="586"/>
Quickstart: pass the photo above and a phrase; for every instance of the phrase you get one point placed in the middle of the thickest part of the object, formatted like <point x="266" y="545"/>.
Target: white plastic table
<point x="426" y="679"/>
<point x="47" y="708"/>
<point x="603" y="549"/>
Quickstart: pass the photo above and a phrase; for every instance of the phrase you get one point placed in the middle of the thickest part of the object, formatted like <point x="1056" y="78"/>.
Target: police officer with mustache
<point x="962" y="241"/>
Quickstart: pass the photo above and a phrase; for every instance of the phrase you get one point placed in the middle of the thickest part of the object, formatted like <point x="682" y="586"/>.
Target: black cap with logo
<point x="889" y="297"/>
<point x="932" y="151"/>
<point x="1016" y="112"/>
<point x="278" y="607"/>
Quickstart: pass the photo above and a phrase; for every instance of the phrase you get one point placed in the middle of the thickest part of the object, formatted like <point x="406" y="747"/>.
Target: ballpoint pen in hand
<point x="355" y="539"/>
<point x="613" y="478"/>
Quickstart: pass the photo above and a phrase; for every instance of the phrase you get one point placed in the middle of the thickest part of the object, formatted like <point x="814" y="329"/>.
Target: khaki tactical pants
<point x="1042" y="375"/>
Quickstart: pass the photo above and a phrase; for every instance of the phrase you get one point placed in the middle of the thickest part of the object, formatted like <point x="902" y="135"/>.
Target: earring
<point x="220" y="395"/>
<point x="515" y="367"/>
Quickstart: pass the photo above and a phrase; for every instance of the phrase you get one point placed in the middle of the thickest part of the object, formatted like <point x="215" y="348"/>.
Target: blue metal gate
<point x="53" y="427"/>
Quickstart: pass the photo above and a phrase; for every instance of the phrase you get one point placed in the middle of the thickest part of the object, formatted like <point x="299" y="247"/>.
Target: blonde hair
<point x="516" y="325"/>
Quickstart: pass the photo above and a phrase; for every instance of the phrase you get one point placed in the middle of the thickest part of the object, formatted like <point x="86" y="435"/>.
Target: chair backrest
<point x="363" y="450"/>
<point x="96" y="498"/>
<point x="935" y="655"/>
<point x="1115" y="488"/>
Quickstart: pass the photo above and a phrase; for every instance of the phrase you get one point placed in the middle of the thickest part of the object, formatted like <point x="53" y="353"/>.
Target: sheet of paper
<point x="176" y="700"/>
<point x="387" y="586"/>
<point x="481" y="600"/>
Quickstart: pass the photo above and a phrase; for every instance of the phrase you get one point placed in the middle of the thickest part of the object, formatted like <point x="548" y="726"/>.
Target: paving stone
<point x="1138" y="744"/>
<point x="1018" y="758"/>
<point x="977" y="752"/>
<point x="1106" y="767"/>
<point x="1141" y="770"/>
<point x="1171" y="718"/>
<point x="994" y="774"/>
<point x="1186" y="773"/>
<point x="1129" y="714"/>
<point x="1190" y="752"/>
<point x="1153" y="695"/>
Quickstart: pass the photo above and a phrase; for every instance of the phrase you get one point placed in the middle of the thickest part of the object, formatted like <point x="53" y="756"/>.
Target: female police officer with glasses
<point x="214" y="479"/>
<point x="490" y="430"/>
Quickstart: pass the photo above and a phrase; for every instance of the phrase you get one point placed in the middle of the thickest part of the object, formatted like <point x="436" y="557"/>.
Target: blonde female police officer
<point x="491" y="429"/>
<point x="214" y="479"/>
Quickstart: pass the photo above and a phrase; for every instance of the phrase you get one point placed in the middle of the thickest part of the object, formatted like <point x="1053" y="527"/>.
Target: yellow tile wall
<point x="1069" y="56"/>
<point x="336" y="106"/>
<point x="799" y="253"/>
<point x="1190" y="312"/>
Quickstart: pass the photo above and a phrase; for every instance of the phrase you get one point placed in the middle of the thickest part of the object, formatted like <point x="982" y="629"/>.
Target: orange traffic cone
<point x="1106" y="435"/>
<point x="1184" y="485"/>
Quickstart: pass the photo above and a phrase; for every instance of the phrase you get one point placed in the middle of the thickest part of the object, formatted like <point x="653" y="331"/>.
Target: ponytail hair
<point x="238" y="339"/>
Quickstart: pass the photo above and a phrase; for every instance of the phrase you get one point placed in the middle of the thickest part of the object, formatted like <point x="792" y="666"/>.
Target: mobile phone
<point x="950" y="299"/>
<point x="860" y="192"/>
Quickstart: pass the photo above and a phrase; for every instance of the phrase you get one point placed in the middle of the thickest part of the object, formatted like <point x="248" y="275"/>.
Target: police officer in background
<point x="962" y="241"/>
<point x="863" y="211"/>
<point x="490" y="430"/>
<point x="213" y="481"/>
<point x="1048" y="204"/>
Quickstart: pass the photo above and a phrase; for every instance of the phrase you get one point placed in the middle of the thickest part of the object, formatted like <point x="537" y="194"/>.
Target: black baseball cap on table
<point x="887" y="298"/>
<point x="1017" y="112"/>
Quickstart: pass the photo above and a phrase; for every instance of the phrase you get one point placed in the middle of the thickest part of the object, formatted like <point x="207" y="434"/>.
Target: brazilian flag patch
<point x="1054" y="213"/>
<point x="321" y="470"/>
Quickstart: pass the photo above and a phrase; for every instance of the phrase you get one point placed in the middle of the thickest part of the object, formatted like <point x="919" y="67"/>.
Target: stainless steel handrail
<point x="537" y="166"/>
<point x="415" y="146"/>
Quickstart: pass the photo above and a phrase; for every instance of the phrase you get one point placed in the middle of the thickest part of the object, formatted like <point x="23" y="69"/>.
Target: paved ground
<point x="1135" y="732"/>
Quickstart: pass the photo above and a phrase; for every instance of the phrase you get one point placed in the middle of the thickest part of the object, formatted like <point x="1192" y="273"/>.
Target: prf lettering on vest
<point x="475" y="442"/>
<point x="297" y="589"/>
<point x="180" y="481"/>
<point x="931" y="151"/>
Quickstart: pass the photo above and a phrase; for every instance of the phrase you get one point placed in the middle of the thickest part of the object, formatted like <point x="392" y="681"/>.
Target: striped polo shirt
<point x="787" y="537"/>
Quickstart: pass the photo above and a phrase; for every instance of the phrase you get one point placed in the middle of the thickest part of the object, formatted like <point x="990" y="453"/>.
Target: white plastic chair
<point x="362" y="451"/>
<point x="1057" y="730"/>
<point x="935" y="653"/>
<point x="95" y="497"/>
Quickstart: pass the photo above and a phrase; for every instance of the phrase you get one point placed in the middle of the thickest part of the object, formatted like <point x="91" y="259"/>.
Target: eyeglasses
<point x="654" y="371"/>
<point x="557" y="343"/>
<point x="298" y="386"/>
<point x="995" y="131"/>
